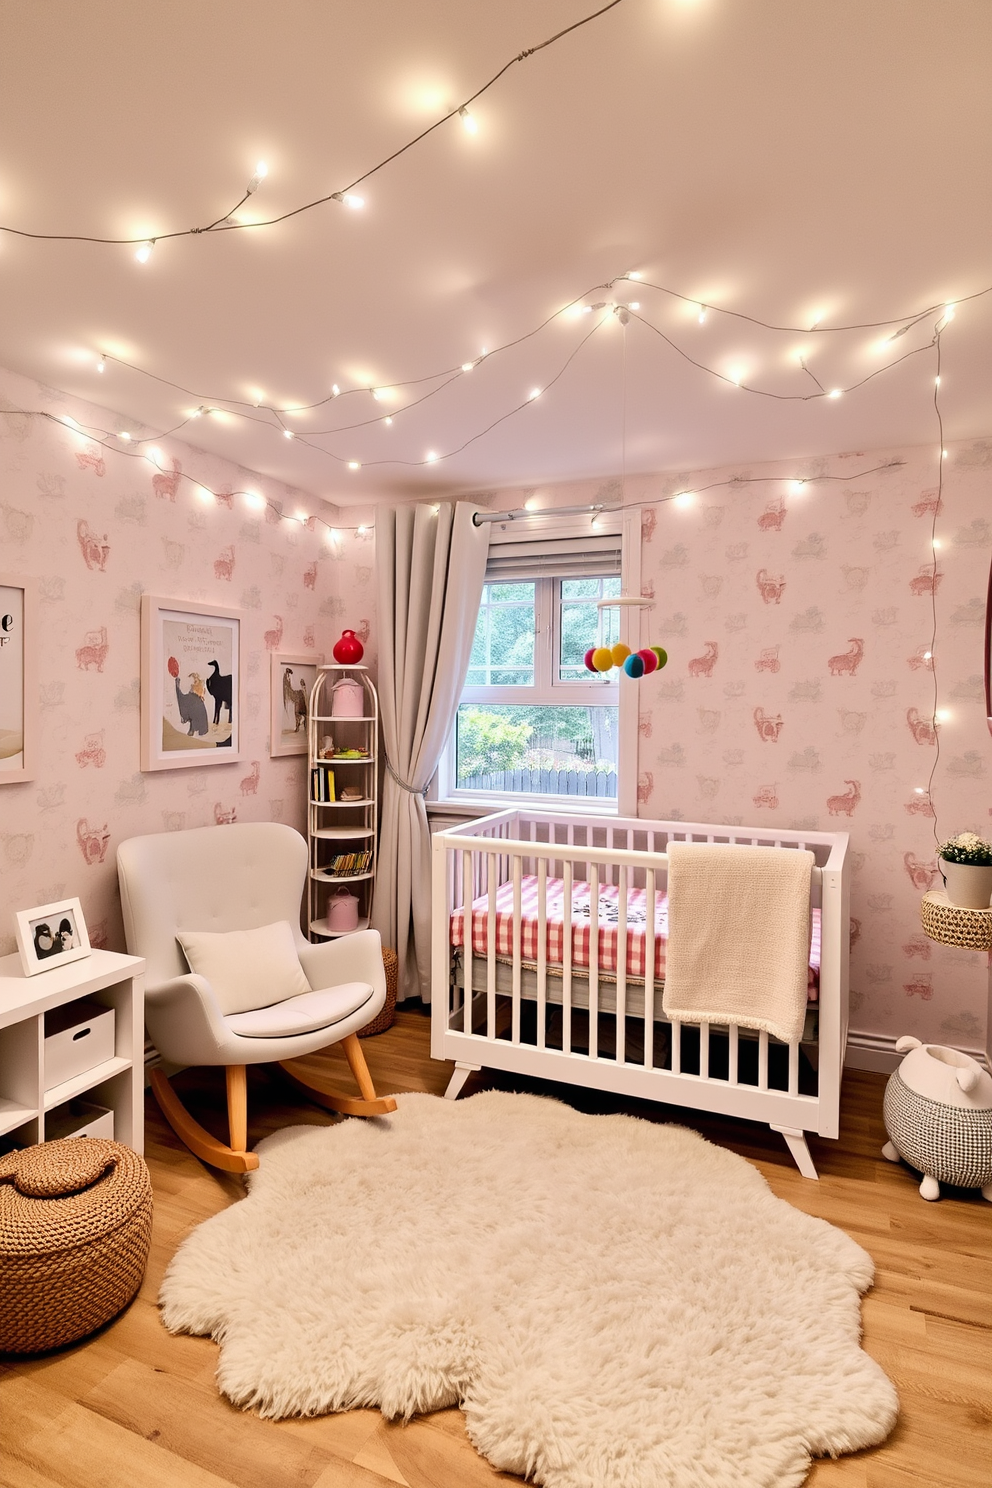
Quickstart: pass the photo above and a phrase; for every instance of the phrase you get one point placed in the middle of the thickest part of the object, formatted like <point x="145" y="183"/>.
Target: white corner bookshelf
<point x="116" y="1083"/>
<point x="342" y="833"/>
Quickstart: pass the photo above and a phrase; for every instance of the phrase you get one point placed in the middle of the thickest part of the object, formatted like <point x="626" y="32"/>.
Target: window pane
<point x="583" y="625"/>
<point x="541" y="749"/>
<point x="503" y="645"/>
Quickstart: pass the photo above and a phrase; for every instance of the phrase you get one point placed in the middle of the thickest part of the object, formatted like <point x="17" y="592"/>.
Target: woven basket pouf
<point x="385" y="1019"/>
<point x="75" y="1227"/>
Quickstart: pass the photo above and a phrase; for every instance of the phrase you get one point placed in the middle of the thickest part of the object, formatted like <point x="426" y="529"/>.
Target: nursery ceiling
<point x="789" y="160"/>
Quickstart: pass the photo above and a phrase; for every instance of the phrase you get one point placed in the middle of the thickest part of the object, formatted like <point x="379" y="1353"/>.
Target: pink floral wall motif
<point x="97" y="529"/>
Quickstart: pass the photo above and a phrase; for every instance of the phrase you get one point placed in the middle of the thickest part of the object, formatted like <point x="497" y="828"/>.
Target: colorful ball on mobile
<point x="661" y="654"/>
<point x="634" y="666"/>
<point x="619" y="652"/>
<point x="602" y="658"/>
<point x="649" y="659"/>
<point x="589" y="659"/>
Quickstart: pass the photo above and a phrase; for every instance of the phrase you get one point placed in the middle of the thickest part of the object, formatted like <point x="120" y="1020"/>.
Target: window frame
<point x="445" y="794"/>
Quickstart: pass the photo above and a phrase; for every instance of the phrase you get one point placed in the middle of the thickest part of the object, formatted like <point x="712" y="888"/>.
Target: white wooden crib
<point x="583" y="1004"/>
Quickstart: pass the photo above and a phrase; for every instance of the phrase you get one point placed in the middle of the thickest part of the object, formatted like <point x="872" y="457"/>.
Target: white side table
<point x="105" y="977"/>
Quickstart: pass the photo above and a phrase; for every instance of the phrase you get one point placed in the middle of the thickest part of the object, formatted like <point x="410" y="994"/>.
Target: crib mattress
<point x="581" y="929"/>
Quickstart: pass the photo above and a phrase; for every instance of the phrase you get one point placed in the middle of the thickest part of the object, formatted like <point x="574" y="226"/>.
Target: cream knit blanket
<point x="738" y="936"/>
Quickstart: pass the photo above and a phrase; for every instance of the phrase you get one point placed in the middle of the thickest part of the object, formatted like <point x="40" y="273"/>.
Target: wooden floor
<point x="135" y="1406"/>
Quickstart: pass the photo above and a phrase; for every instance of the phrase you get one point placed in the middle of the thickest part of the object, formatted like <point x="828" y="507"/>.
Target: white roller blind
<point x="561" y="558"/>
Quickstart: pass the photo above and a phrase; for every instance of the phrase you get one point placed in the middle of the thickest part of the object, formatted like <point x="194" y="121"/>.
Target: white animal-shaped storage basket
<point x="938" y="1114"/>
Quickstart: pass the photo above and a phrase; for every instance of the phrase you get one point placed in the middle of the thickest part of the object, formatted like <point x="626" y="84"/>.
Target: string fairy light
<point x="265" y="413"/>
<point x="346" y="196"/>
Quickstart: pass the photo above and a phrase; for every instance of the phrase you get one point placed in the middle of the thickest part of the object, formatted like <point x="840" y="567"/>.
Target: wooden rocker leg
<point x="369" y="1105"/>
<point x="197" y="1138"/>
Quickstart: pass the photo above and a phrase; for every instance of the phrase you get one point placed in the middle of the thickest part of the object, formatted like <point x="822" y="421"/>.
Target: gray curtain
<point x="430" y="569"/>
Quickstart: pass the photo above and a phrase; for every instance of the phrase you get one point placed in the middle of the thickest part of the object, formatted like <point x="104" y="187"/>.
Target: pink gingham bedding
<point x="609" y="907"/>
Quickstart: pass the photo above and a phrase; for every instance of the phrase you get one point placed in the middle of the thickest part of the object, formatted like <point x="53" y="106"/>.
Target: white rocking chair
<point x="242" y="877"/>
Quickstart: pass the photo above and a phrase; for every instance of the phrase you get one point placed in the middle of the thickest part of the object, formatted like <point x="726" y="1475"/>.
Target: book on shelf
<point x="350" y="863"/>
<point x="322" y="784"/>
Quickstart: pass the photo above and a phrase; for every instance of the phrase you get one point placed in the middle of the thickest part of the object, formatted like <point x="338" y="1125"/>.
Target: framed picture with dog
<point x="51" y="935"/>
<point x="293" y="677"/>
<point x="191" y="675"/>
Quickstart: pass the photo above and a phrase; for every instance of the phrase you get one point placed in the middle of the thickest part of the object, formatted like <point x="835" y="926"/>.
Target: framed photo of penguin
<point x="51" y="935"/>
<point x="289" y="713"/>
<point x="191" y="673"/>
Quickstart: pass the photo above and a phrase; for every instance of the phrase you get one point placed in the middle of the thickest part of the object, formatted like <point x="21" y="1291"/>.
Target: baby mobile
<point x="634" y="664"/>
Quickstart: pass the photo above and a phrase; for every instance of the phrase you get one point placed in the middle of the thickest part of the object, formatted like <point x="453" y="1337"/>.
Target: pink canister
<point x="347" y="699"/>
<point x="342" y="911"/>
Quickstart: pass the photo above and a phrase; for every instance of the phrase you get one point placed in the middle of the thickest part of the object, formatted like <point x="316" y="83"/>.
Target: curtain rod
<point x="520" y="513"/>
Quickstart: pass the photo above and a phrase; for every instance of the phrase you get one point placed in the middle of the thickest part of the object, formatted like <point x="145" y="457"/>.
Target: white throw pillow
<point x="246" y="968"/>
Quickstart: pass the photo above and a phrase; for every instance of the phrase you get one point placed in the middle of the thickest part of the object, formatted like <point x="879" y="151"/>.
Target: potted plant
<point x="965" y="863"/>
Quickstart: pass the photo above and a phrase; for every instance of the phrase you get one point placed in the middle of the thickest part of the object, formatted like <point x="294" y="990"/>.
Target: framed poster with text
<point x="18" y="683"/>
<point x="190" y="684"/>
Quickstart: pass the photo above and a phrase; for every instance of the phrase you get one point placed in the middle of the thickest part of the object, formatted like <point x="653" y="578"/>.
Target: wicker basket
<point x="384" y="1020"/>
<point x="75" y="1227"/>
<point x="950" y="925"/>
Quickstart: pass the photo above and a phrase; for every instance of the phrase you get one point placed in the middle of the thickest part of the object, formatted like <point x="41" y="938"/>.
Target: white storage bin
<point x="79" y="1118"/>
<point x="78" y="1037"/>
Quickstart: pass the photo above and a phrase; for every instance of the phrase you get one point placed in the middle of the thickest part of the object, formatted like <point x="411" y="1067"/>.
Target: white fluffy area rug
<point x="614" y="1304"/>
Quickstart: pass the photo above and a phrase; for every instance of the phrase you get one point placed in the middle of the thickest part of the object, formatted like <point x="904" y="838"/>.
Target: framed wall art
<point x="18" y="681"/>
<point x="289" y="712"/>
<point x="191" y="672"/>
<point x="51" y="935"/>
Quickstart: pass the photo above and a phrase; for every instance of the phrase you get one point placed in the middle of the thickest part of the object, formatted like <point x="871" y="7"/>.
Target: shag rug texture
<point x="614" y="1304"/>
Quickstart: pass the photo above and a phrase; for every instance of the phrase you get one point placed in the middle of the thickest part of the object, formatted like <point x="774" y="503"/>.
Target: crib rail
<point x="600" y="1024"/>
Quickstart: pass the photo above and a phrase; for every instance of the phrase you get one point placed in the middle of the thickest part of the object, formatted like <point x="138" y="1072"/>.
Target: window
<point x="532" y="718"/>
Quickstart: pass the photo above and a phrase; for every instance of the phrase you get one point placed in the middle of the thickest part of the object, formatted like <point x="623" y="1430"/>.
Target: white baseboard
<point x="877" y="1051"/>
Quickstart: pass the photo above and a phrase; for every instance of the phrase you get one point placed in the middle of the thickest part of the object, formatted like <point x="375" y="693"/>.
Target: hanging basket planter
<point x="951" y="925"/>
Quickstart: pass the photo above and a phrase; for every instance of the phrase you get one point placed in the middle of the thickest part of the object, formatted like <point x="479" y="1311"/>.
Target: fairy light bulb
<point x="254" y="500"/>
<point x="101" y="365"/>
<point x="335" y="390"/>
<point x="388" y="420"/>
<point x="636" y="274"/>
<point x="431" y="456"/>
<point x="354" y="465"/>
<point x="796" y="486"/>
<point x="684" y="498"/>
<point x="261" y="171"/>
<point x="534" y="393"/>
<point x="361" y="531"/>
<point x="125" y="436"/>
<point x="349" y="199"/>
<point x="154" y="457"/>
<point x="205" y="496"/>
<point x="835" y="392"/>
<point x="468" y="366"/>
<point x="144" y="251"/>
<point x="949" y="311"/>
<point x="288" y="434"/>
<point x="469" y="124"/>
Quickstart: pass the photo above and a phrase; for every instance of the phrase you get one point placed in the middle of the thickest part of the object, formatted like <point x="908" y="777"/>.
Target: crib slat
<point x="491" y="950"/>
<point x="515" y="1020"/>
<point x="622" y="964"/>
<point x="467" y="886"/>
<point x="566" y="953"/>
<point x="794" y="1069"/>
<point x="762" y="1060"/>
<point x="704" y="1051"/>
<point x="594" y="961"/>
<point x="649" y="963"/>
<point x="542" y="947"/>
<point x="676" y="1047"/>
<point x="733" y="1053"/>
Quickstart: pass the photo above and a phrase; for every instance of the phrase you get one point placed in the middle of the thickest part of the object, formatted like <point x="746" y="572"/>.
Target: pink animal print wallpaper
<point x="96" y="529"/>
<point x="800" y="693"/>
